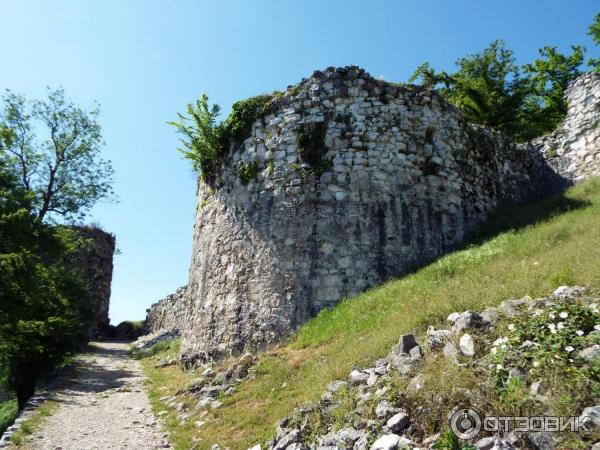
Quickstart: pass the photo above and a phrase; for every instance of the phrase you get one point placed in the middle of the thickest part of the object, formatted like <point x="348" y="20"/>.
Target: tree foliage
<point x="43" y="312"/>
<point x="63" y="169"/>
<point x="204" y="138"/>
<point x="44" y="300"/>
<point x="493" y="90"/>
<point x="594" y="32"/>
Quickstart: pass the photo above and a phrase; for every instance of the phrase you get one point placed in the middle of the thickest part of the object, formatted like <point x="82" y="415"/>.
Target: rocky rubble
<point x="379" y="421"/>
<point x="210" y="387"/>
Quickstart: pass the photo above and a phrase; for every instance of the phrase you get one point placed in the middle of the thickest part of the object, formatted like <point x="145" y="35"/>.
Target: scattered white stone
<point x="386" y="442"/>
<point x="467" y="346"/>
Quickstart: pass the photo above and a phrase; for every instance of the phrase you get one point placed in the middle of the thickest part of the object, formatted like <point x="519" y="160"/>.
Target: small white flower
<point x="503" y="347"/>
<point x="579" y="333"/>
<point x="551" y="326"/>
<point x="569" y="349"/>
<point x="560" y="325"/>
<point x="570" y="360"/>
<point x="552" y="315"/>
<point x="593" y="306"/>
<point x="494" y="350"/>
<point x="499" y="367"/>
<point x="536" y="364"/>
<point x="597" y="327"/>
<point x="499" y="341"/>
<point x="564" y="315"/>
<point x="511" y="327"/>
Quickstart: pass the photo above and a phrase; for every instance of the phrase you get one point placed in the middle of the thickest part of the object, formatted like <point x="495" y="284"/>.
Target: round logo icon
<point x="465" y="423"/>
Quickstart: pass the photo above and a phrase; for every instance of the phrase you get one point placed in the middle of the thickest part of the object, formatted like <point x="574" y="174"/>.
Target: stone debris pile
<point x="380" y="422"/>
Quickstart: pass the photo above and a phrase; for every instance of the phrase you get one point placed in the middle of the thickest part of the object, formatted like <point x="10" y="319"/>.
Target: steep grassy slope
<point x="526" y="250"/>
<point x="8" y="413"/>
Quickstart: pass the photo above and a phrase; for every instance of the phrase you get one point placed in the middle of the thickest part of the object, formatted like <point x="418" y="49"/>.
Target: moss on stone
<point x="248" y="172"/>
<point x="312" y="148"/>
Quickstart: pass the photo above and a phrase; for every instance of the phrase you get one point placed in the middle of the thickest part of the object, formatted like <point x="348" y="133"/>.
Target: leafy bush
<point x="206" y="141"/>
<point x="521" y="101"/>
<point x="44" y="307"/>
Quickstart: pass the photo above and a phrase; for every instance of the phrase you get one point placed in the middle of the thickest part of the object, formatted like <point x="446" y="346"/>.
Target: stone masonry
<point x="167" y="314"/>
<point x="400" y="178"/>
<point x="96" y="260"/>
<point x="573" y="150"/>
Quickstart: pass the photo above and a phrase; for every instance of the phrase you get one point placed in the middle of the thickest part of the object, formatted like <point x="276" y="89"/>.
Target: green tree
<point x="63" y="169"/>
<point x="521" y="101"/>
<point x="594" y="32"/>
<point x="544" y="84"/>
<point x="43" y="302"/>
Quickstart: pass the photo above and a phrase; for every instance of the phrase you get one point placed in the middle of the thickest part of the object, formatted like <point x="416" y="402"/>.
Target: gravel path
<point x="103" y="406"/>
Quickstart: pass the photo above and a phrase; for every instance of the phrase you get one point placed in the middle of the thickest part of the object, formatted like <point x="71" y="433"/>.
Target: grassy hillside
<point x="8" y="413"/>
<point x="525" y="250"/>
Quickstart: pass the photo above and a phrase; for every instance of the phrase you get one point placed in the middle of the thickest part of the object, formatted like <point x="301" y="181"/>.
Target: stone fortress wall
<point x="573" y="151"/>
<point x="356" y="180"/>
<point x="96" y="260"/>
<point x="167" y="313"/>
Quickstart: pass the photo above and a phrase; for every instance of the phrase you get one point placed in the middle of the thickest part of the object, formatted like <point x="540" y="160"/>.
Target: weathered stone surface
<point x="573" y="150"/>
<point x="398" y="422"/>
<point x="168" y="313"/>
<point x="386" y="442"/>
<point x="467" y="346"/>
<point x="408" y="179"/>
<point x="406" y="343"/>
<point x="593" y="412"/>
<point x="95" y="259"/>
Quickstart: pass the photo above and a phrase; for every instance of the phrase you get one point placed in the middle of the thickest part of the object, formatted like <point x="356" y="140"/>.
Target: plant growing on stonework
<point x="204" y="138"/>
<point x="312" y="148"/>
<point x="206" y="142"/>
<point x="248" y="172"/>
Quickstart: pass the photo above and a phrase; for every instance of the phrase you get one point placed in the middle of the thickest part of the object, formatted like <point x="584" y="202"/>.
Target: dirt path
<point x="103" y="407"/>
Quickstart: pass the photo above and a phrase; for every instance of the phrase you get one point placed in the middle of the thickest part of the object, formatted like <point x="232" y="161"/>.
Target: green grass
<point x="8" y="414"/>
<point x="168" y="348"/>
<point x="136" y="325"/>
<point x="524" y="250"/>
<point x="27" y="427"/>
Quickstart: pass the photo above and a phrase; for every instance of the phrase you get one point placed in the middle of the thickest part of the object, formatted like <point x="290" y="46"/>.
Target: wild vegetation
<point x="522" y="101"/>
<point x="44" y="307"/>
<point x="528" y="249"/>
<point x="206" y="141"/>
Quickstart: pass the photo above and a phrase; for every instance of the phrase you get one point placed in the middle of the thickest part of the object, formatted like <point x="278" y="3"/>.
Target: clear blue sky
<point x="144" y="60"/>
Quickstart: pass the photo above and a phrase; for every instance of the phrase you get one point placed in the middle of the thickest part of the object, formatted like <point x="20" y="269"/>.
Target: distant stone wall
<point x="167" y="314"/>
<point x="408" y="179"/>
<point x="573" y="151"/>
<point x="96" y="261"/>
